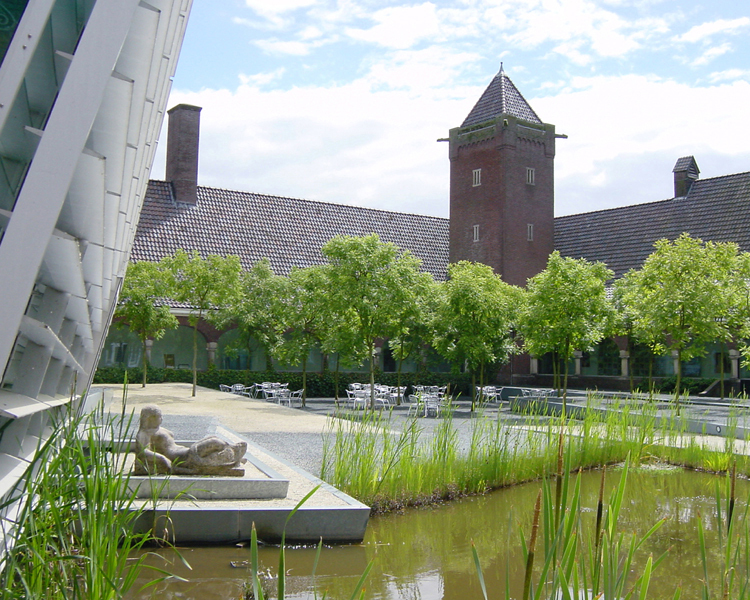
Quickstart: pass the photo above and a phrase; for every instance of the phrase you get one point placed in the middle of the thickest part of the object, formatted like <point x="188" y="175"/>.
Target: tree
<point x="475" y="318"/>
<point x="684" y="291"/>
<point x="306" y="315"/>
<point x="566" y="310"/>
<point x="413" y="321"/>
<point x="370" y="283"/>
<point x="256" y="310"/>
<point x="206" y="285"/>
<point x="142" y="304"/>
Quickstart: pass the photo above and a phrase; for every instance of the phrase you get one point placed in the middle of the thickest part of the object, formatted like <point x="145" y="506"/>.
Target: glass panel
<point x="10" y="15"/>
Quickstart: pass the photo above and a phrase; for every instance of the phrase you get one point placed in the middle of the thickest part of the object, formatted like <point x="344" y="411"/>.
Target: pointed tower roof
<point x="501" y="97"/>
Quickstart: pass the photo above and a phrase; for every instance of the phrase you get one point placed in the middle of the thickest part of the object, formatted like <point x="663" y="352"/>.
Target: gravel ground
<point x="296" y="434"/>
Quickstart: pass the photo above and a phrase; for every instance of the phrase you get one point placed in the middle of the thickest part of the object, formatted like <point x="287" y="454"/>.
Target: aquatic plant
<point x="74" y="529"/>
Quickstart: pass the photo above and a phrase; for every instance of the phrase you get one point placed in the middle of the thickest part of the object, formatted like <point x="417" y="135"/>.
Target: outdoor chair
<point x="225" y="388"/>
<point x="296" y="395"/>
<point x="238" y="388"/>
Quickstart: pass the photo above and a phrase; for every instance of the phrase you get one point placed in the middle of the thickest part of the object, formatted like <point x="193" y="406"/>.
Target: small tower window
<point x="530" y="232"/>
<point x="476" y="177"/>
<point x="476" y="233"/>
<point x="529" y="176"/>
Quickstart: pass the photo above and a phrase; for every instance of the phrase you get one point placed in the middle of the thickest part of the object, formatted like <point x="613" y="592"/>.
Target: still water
<point x="426" y="553"/>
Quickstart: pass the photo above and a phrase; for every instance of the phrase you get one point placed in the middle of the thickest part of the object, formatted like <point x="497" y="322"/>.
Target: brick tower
<point x="502" y="185"/>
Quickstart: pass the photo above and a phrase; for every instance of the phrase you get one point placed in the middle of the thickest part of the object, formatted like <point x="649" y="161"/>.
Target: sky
<point x="344" y="100"/>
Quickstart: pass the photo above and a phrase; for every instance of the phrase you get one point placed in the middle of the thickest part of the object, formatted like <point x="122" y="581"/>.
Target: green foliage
<point x="307" y="316"/>
<point x="475" y="316"/>
<point x="566" y="309"/>
<point x="256" y="310"/>
<point x="370" y="284"/>
<point x="76" y="525"/>
<point x="319" y="385"/>
<point x="682" y="297"/>
<point x="142" y="303"/>
<point x="204" y="284"/>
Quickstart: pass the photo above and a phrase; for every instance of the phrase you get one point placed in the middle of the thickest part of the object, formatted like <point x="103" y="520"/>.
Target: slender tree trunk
<point x="721" y="362"/>
<point x="145" y="361"/>
<point x="336" y="381"/>
<point x="398" y="374"/>
<point x="372" y="375"/>
<point x="630" y="362"/>
<point x="473" y="389"/>
<point x="555" y="373"/>
<point x="304" y="382"/>
<point x="195" y="356"/>
<point x="679" y="380"/>
<point x="565" y="381"/>
<point x="650" y="374"/>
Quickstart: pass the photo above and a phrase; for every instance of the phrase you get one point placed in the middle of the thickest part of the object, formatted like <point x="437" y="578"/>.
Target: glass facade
<point x="11" y="12"/>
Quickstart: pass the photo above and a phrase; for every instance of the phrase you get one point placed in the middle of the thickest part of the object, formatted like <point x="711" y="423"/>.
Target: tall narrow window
<point x="476" y="233"/>
<point x="530" y="232"/>
<point x="476" y="177"/>
<point x="529" y="176"/>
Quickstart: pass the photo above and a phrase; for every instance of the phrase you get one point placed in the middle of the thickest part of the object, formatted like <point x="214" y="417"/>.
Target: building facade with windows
<point x="501" y="214"/>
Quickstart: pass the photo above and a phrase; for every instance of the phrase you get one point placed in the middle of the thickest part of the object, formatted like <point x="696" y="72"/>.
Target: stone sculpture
<point x="157" y="453"/>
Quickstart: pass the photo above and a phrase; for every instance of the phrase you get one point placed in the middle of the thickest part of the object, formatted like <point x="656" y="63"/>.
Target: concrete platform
<point x="329" y="513"/>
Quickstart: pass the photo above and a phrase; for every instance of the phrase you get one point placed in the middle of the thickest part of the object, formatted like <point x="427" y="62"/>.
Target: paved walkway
<point x="296" y="434"/>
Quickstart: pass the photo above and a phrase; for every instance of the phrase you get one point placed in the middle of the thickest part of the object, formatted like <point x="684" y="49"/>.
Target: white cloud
<point x="399" y="27"/>
<point x="291" y="47"/>
<point x="614" y="121"/>
<point x="729" y="75"/>
<point x="706" y="30"/>
<point x="260" y="79"/>
<point x="277" y="7"/>
<point x="711" y="54"/>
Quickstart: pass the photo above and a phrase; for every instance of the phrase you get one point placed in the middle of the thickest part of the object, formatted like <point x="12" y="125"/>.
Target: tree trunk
<point x="473" y="389"/>
<point x="145" y="362"/>
<point x="721" y="362"/>
<point x="565" y="381"/>
<point x="372" y="375"/>
<point x="398" y="375"/>
<point x="630" y="362"/>
<point x="336" y="382"/>
<point x="195" y="356"/>
<point x="304" y="382"/>
<point x="679" y="381"/>
<point x="650" y="374"/>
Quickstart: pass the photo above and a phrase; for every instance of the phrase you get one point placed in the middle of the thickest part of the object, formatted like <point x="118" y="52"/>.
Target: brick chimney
<point x="182" y="152"/>
<point x="685" y="171"/>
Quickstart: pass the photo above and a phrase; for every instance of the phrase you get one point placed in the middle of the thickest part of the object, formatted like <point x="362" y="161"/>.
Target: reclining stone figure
<point x="157" y="453"/>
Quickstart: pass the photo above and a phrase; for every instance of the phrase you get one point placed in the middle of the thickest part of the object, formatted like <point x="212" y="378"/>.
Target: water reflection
<point x="426" y="553"/>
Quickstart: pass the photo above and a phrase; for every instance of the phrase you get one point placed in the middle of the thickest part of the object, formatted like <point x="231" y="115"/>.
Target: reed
<point x="390" y="466"/>
<point x="74" y="529"/>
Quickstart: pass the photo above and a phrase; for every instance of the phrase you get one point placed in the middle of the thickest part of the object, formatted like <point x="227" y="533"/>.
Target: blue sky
<point x="343" y="100"/>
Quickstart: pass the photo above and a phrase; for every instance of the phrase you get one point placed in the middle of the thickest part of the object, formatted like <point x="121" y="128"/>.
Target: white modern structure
<point x="83" y="89"/>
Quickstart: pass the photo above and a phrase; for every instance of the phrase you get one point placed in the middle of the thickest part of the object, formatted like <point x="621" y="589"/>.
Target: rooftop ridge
<point x="321" y="202"/>
<point x="699" y="182"/>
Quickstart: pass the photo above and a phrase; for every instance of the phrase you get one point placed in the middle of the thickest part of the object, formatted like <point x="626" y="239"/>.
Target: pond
<point x="426" y="553"/>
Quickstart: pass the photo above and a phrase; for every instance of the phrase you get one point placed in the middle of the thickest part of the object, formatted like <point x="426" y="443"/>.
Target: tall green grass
<point x="388" y="465"/>
<point x="74" y="533"/>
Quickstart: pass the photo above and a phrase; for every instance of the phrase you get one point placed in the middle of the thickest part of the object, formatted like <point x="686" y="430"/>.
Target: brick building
<point x="501" y="214"/>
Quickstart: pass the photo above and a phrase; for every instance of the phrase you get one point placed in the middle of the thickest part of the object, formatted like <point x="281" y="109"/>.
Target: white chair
<point x="225" y="388"/>
<point x="296" y="395"/>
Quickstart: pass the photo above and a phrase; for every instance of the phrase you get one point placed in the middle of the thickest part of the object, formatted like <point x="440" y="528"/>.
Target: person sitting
<point x="157" y="453"/>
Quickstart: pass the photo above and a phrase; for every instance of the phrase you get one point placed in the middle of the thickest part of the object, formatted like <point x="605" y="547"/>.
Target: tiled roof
<point x="716" y="209"/>
<point x="500" y="98"/>
<point x="287" y="231"/>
